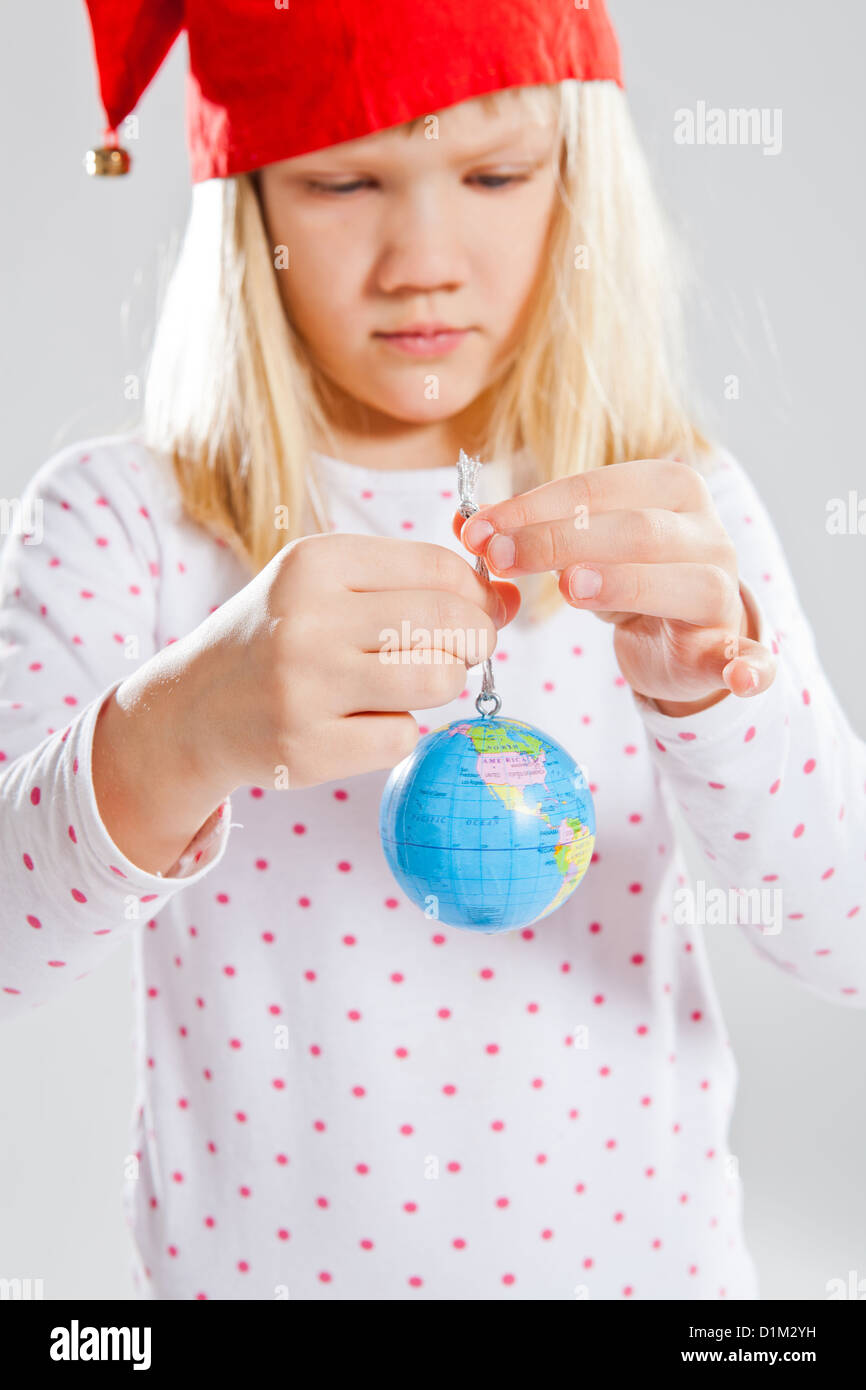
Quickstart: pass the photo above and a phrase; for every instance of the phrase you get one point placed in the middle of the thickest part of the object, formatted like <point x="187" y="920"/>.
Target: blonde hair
<point x="235" y="402"/>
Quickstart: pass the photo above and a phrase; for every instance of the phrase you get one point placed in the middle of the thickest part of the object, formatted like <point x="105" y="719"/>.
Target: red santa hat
<point x="269" y="79"/>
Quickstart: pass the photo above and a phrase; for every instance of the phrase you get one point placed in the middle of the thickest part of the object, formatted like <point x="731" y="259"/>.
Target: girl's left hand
<point x="639" y="544"/>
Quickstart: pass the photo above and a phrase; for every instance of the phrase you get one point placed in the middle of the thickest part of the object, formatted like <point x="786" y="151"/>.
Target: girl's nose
<point x="421" y="249"/>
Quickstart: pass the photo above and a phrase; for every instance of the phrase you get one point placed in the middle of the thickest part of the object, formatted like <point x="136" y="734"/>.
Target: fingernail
<point x="584" y="583"/>
<point x="500" y="552"/>
<point x="475" y="533"/>
<point x="502" y="616"/>
<point x="753" y="678"/>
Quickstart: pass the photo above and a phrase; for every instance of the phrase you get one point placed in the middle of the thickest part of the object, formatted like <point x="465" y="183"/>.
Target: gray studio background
<point x="777" y="243"/>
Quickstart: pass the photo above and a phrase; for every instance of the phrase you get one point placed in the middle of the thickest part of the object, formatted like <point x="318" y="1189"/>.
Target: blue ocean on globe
<point x="488" y="824"/>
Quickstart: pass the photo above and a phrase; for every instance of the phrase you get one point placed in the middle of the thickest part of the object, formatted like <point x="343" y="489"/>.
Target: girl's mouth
<point x="425" y="343"/>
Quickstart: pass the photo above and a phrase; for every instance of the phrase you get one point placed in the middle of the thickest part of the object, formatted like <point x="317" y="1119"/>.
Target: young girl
<point x="428" y="233"/>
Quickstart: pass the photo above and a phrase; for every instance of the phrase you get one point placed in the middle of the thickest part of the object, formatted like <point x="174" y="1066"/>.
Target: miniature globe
<point x="488" y="824"/>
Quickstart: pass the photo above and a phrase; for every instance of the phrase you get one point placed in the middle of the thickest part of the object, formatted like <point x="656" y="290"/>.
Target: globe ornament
<point x="489" y="823"/>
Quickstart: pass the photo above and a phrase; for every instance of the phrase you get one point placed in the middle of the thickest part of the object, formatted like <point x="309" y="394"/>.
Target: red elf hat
<point x="270" y="79"/>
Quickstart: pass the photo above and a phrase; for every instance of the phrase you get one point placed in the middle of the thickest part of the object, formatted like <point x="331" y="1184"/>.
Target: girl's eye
<point x="499" y="180"/>
<point x="484" y="180"/>
<point x="336" y="187"/>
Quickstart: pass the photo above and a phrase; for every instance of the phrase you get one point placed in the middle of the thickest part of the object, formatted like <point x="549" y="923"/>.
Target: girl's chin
<point x="414" y="409"/>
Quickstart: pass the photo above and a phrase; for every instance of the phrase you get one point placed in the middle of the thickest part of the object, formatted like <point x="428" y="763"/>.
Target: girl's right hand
<point x="296" y="679"/>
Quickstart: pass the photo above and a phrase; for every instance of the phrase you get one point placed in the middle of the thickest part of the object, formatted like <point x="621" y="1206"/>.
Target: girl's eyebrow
<point x="506" y="142"/>
<point x="369" y="153"/>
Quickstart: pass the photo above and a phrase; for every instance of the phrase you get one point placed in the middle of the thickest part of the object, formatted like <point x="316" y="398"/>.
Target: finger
<point x="649" y="535"/>
<point x="424" y="678"/>
<point x="510" y="596"/>
<point x="751" y="671"/>
<point x="377" y="563"/>
<point x="365" y="742"/>
<point x="635" y="484"/>
<point x="710" y="657"/>
<point x="431" y="618"/>
<point x="693" y="593"/>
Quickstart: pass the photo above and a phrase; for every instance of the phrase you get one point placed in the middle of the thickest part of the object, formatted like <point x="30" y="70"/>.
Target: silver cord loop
<point x="467" y="476"/>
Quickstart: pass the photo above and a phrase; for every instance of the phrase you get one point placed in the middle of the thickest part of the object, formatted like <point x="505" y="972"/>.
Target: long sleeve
<point x="773" y="785"/>
<point x="78" y="582"/>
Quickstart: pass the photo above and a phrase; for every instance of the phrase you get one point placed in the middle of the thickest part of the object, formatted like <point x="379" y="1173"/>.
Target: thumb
<point x="751" y="670"/>
<point x="510" y="595"/>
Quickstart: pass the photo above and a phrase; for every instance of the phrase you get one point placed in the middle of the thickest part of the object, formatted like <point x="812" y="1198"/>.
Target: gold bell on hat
<point x="108" y="160"/>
